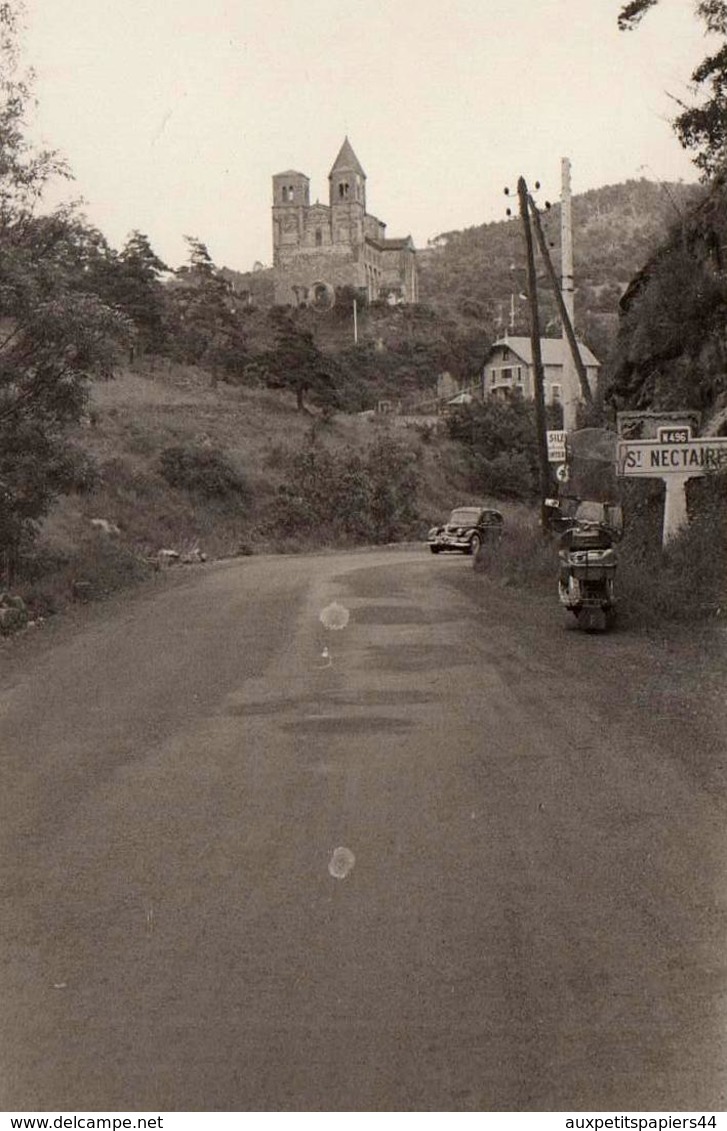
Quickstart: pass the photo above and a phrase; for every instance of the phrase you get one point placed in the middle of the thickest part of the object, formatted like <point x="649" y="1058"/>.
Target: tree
<point x="701" y="128"/>
<point x="297" y="364"/>
<point x="56" y="332"/>
<point x="671" y="351"/>
<point x="501" y="440"/>
<point x="204" y="314"/>
<point x="139" y="291"/>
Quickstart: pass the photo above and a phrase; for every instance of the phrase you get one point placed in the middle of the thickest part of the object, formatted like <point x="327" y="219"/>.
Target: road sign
<point x="561" y="473"/>
<point x="655" y="459"/>
<point x="556" y="446"/>
<point x="674" y="435"/>
<point x="675" y="463"/>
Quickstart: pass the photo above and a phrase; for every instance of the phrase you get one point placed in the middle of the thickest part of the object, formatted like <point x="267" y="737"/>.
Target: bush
<point x="501" y="440"/>
<point x="686" y="581"/>
<point x="506" y="476"/>
<point x="204" y="471"/>
<point x="349" y="497"/>
<point x="522" y="556"/>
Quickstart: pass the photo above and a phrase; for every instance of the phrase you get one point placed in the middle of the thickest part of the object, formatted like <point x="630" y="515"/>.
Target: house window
<point x="343" y="189"/>
<point x="506" y="374"/>
<point x="519" y="374"/>
<point x="505" y="353"/>
<point x="493" y="375"/>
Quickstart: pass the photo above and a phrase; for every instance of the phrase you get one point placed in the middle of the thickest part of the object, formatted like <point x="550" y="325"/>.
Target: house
<point x="508" y="369"/>
<point x="320" y="247"/>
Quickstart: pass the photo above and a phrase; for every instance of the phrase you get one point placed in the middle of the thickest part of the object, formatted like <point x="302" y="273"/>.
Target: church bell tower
<point x="347" y="197"/>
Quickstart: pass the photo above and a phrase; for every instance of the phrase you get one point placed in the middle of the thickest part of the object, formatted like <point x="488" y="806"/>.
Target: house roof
<point x="347" y="161"/>
<point x="552" y="350"/>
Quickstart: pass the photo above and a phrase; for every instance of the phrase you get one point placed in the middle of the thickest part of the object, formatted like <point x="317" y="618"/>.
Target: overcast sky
<point x="174" y="114"/>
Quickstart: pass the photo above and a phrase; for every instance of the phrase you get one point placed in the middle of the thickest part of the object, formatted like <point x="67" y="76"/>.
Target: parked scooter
<point x="587" y="563"/>
<point x="589" y="520"/>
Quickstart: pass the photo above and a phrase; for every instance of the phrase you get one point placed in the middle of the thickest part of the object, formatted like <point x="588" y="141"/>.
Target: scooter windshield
<point x="592" y="489"/>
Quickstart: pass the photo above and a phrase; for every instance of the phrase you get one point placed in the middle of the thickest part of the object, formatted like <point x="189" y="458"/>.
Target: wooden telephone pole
<point x="564" y="313"/>
<point x="540" y="422"/>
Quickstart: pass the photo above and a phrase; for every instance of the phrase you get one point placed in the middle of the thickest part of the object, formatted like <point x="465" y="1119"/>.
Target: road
<point x="530" y="914"/>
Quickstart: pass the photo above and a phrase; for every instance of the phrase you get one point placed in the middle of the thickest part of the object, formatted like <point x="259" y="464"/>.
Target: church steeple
<point x="347" y="161"/>
<point x="347" y="179"/>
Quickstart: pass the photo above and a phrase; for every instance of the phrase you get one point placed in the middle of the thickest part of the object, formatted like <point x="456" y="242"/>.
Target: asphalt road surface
<point x="452" y="856"/>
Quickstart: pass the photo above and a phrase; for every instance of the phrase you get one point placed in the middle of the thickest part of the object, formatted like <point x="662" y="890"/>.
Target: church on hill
<point x="318" y="247"/>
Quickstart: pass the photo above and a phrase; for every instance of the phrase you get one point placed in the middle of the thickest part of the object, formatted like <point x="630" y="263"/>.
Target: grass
<point x="132" y="420"/>
<point x="687" y="582"/>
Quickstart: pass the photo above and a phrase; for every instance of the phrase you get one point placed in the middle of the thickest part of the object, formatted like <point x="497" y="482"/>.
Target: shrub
<point x="501" y="440"/>
<point x="522" y="556"/>
<point x="686" y="580"/>
<point x="349" y="497"/>
<point x="204" y="471"/>
<point x="509" y="476"/>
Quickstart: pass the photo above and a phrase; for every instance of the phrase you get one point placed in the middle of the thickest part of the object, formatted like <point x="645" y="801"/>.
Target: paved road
<point x="533" y="911"/>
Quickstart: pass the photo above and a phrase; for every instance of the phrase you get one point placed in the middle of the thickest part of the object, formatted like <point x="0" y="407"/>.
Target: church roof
<point x="397" y="244"/>
<point x="347" y="161"/>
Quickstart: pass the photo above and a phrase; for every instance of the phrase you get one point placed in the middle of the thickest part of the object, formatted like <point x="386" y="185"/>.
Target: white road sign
<point x="556" y="446"/>
<point x="654" y="459"/>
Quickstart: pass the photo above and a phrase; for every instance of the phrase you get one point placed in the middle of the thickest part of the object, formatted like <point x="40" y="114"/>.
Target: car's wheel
<point x="434" y="549"/>
<point x="475" y="543"/>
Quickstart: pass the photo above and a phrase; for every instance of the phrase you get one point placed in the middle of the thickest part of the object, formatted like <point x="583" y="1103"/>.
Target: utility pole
<point x="565" y="318"/>
<point x="540" y="422"/>
<point x="566" y="272"/>
<point x="355" y="323"/>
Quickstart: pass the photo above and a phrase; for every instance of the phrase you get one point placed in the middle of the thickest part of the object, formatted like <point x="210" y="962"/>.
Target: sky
<point x="175" y="114"/>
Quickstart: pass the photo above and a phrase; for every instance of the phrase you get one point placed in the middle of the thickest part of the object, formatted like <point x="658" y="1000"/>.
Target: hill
<point x="186" y="467"/>
<point x="472" y="276"/>
<point x="472" y="282"/>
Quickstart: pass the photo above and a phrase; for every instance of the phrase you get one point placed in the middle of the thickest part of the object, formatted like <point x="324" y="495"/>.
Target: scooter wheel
<point x="592" y="620"/>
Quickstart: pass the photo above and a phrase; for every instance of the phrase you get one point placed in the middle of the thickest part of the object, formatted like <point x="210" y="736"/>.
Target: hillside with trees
<point x="671" y="351"/>
<point x="477" y="275"/>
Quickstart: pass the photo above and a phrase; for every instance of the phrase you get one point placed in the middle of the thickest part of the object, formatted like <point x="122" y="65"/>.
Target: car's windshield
<point x="464" y="516"/>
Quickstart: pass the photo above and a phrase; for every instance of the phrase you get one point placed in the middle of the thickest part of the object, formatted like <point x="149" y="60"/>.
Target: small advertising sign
<point x="556" y="446"/>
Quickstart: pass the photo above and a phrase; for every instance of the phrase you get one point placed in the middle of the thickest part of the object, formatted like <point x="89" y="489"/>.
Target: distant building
<point x="318" y="247"/>
<point x="508" y="369"/>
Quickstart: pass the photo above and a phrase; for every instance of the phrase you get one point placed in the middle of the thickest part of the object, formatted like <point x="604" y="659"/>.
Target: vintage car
<point x="466" y="529"/>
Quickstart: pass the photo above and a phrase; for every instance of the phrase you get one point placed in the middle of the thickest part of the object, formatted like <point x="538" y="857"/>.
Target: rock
<point x="193" y="557"/>
<point x="168" y="557"/>
<point x="106" y="526"/>
<point x="12" y="619"/>
<point x="8" y="601"/>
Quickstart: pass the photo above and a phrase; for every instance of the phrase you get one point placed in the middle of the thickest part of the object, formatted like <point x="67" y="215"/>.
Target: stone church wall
<point x="295" y="276"/>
